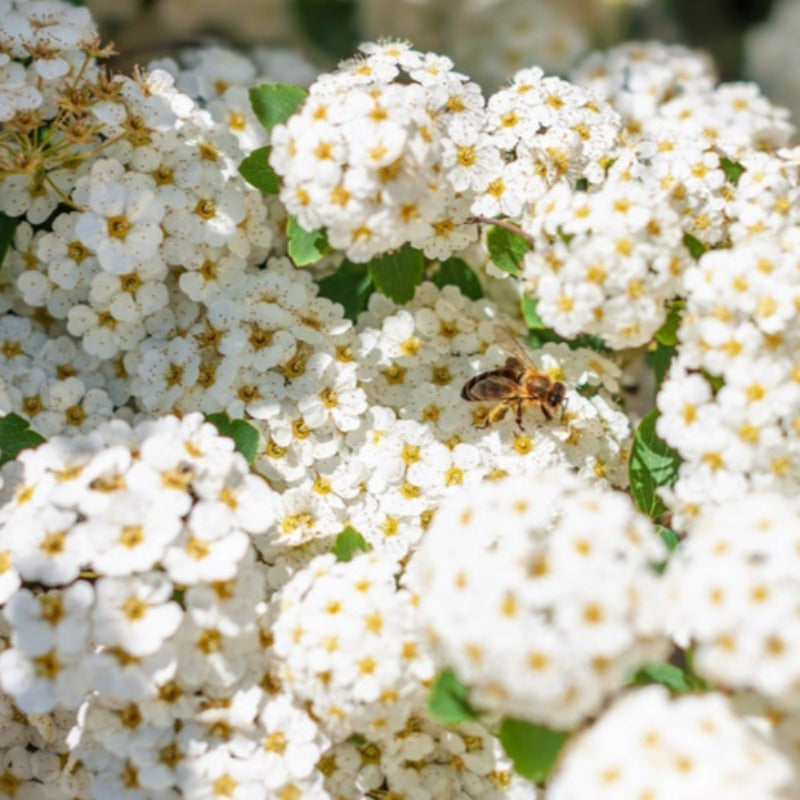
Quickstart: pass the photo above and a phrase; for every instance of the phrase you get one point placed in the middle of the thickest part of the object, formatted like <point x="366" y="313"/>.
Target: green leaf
<point x="652" y="464"/>
<point x="16" y="435"/>
<point x="674" y="678"/>
<point x="716" y="382"/>
<point x="274" y="103"/>
<point x="533" y="748"/>
<point x="531" y="315"/>
<point x="255" y="169"/>
<point x="659" y="358"/>
<point x="449" y="699"/>
<point x="331" y="25"/>
<point x="398" y="274"/>
<point x="668" y="333"/>
<point x="350" y="286"/>
<point x="507" y="249"/>
<point x="695" y="246"/>
<point x="582" y="185"/>
<point x="733" y="169"/>
<point x="305" y="247"/>
<point x="7" y="227"/>
<point x="456" y="272"/>
<point x="668" y="536"/>
<point x="348" y="543"/>
<point x="244" y="435"/>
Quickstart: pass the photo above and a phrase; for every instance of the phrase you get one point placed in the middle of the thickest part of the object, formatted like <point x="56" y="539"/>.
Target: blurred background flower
<point x="488" y="39"/>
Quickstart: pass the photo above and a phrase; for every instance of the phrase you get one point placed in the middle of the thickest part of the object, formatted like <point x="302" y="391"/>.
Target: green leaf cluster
<point x="677" y="680"/>
<point x="456" y="272"/>
<point x="449" y="699"/>
<point x="348" y="543"/>
<point x="272" y="103"/>
<point x="16" y="435"/>
<point x="534" y="749"/>
<point x="507" y="249"/>
<point x="305" y="247"/>
<point x="245" y="436"/>
<point x="652" y="464"/>
<point x="350" y="286"/>
<point x="396" y="275"/>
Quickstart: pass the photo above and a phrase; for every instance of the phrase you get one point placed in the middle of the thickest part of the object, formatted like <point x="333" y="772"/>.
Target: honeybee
<point x="518" y="383"/>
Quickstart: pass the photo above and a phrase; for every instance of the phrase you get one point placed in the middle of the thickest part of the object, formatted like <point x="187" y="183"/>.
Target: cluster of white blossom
<point x="734" y="593"/>
<point x="730" y="405"/>
<point x="346" y="642"/>
<point x="178" y="623"/>
<point x="647" y="745"/>
<point x="373" y="155"/>
<point x="425" y="759"/>
<point x="539" y="591"/>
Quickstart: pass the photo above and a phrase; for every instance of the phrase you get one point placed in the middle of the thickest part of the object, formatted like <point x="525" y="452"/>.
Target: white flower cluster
<point x="647" y="745"/>
<point x="540" y="131"/>
<point x="416" y="359"/>
<point x="174" y="623"/>
<point x="733" y="591"/>
<point x="426" y="759"/>
<point x="106" y="526"/>
<point x="367" y="156"/>
<point x="730" y="404"/>
<point x="539" y="591"/>
<point x="54" y="39"/>
<point x="657" y="87"/>
<point x="605" y="261"/>
<point x="347" y="644"/>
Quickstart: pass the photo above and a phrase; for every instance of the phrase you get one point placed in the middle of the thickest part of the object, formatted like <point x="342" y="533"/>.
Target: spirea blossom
<point x="733" y="591"/>
<point x="647" y="745"/>
<point x="347" y="644"/>
<point x="364" y="158"/>
<point x="100" y="523"/>
<point x="539" y="592"/>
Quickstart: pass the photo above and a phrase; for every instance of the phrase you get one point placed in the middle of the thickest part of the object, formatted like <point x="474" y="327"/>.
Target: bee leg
<point x="496" y="414"/>
<point x="519" y="415"/>
<point x="547" y="414"/>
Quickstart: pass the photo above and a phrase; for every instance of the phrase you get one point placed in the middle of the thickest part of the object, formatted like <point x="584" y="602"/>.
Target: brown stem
<point x="501" y="223"/>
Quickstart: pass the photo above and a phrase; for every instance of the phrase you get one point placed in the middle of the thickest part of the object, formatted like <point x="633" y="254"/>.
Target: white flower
<point x="45" y="546"/>
<point x="135" y="613"/>
<point x="40" y="683"/>
<point x="122" y="223"/>
<point x="57" y="620"/>
<point x="291" y="743"/>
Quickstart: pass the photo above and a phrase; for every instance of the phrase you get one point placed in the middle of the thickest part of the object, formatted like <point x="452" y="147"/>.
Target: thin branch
<point x="501" y="223"/>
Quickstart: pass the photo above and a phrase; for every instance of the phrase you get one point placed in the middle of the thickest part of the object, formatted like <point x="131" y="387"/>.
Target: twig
<point x="501" y="223"/>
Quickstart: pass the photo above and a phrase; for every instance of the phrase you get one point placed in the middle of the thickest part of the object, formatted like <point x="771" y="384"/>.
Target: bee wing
<point x="509" y="340"/>
<point x="490" y="386"/>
